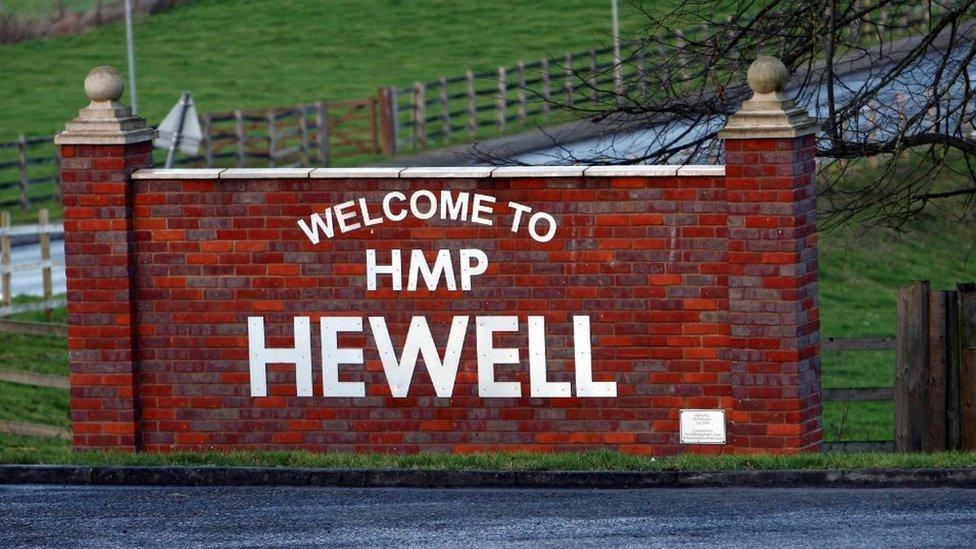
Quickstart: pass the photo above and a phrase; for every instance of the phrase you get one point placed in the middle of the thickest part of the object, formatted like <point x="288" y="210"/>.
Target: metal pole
<point x="132" y="56"/>
<point x="174" y="141"/>
<point x="618" y="83"/>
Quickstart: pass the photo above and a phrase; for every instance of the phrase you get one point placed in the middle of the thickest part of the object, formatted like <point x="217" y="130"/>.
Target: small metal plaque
<point x="702" y="426"/>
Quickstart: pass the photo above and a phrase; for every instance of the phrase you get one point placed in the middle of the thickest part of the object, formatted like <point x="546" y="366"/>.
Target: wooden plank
<point x="911" y="362"/>
<point x="876" y="343"/>
<point x="967" y="367"/>
<point x="45" y="242"/>
<point x="34" y="380"/>
<point x="5" y="287"/>
<point x="852" y="446"/>
<point x="24" y="428"/>
<point x="33" y="328"/>
<point x="952" y="371"/>
<point x="935" y="423"/>
<point x="859" y="394"/>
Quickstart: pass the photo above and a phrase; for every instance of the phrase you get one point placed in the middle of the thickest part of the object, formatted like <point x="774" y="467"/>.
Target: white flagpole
<point x="618" y="83"/>
<point x="132" y="56"/>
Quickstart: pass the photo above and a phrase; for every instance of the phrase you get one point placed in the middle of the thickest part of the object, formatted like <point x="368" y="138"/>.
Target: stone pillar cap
<point x="105" y="121"/>
<point x="768" y="114"/>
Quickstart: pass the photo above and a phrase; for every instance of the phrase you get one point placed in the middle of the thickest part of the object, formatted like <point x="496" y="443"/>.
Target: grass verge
<point x="598" y="460"/>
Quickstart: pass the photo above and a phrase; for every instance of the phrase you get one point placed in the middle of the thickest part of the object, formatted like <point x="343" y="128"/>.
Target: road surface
<point x="469" y="518"/>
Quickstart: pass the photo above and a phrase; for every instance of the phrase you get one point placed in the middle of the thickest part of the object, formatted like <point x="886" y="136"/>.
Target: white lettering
<point x="585" y="386"/>
<point x="333" y="356"/>
<point x="489" y="356"/>
<point x="539" y="386"/>
<point x="442" y="267"/>
<point x="534" y="220"/>
<point x="399" y="373"/>
<point x="468" y="270"/>
<point x="318" y="223"/>
<point x="394" y="269"/>
<point x="260" y="356"/>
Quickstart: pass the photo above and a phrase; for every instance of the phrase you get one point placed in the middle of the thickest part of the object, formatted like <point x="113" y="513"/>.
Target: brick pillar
<point x="773" y="306"/>
<point x="99" y="150"/>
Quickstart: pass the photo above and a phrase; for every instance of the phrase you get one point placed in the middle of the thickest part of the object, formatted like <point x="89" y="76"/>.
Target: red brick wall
<point x="701" y="293"/>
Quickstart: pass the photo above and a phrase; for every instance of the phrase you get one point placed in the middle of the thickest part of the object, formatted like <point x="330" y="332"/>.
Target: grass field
<point x="252" y="53"/>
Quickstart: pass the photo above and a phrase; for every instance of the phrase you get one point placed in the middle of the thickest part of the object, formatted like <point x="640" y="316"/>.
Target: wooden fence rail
<point x="450" y="109"/>
<point x="43" y="231"/>
<point x="398" y="118"/>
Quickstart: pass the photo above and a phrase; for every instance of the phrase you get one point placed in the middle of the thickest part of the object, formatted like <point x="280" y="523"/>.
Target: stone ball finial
<point x="104" y="84"/>
<point x="767" y="74"/>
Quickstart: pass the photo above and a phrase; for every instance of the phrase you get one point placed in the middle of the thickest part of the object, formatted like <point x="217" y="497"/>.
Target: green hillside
<point x="253" y="53"/>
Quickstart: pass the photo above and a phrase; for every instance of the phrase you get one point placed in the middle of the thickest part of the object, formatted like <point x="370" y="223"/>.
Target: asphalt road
<point x="235" y="517"/>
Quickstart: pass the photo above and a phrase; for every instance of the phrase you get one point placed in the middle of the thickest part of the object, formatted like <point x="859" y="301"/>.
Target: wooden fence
<point x="935" y="369"/>
<point x="859" y="394"/>
<point x="43" y="231"/>
<point x="462" y="107"/>
<point x="28" y="171"/>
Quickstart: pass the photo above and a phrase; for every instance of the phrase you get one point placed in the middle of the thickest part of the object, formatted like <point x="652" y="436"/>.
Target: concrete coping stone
<point x="460" y="172"/>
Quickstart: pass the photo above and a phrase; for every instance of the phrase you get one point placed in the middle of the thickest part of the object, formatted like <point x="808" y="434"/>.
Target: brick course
<point x="701" y="293"/>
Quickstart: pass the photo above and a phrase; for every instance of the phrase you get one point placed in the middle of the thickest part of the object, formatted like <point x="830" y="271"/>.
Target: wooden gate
<point x="354" y="127"/>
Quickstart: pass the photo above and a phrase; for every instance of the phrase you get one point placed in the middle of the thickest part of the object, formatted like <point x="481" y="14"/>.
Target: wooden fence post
<point x="641" y="69"/>
<point x="967" y="367"/>
<point x="272" y="138"/>
<point x="952" y="370"/>
<point x="419" y="114"/>
<point x="501" y="105"/>
<point x="568" y="64"/>
<point x="546" y="85"/>
<point x="445" y="111"/>
<point x="472" y="104"/>
<point x="45" y="240"/>
<point x="22" y="165"/>
<point x="388" y="119"/>
<point x="523" y="112"/>
<point x="374" y="124"/>
<point x="207" y="141"/>
<point x="591" y="80"/>
<point x="935" y="412"/>
<point x="303" y="135"/>
<point x="239" y="136"/>
<point x="911" y="365"/>
<point x="5" y="258"/>
<point x="322" y="126"/>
